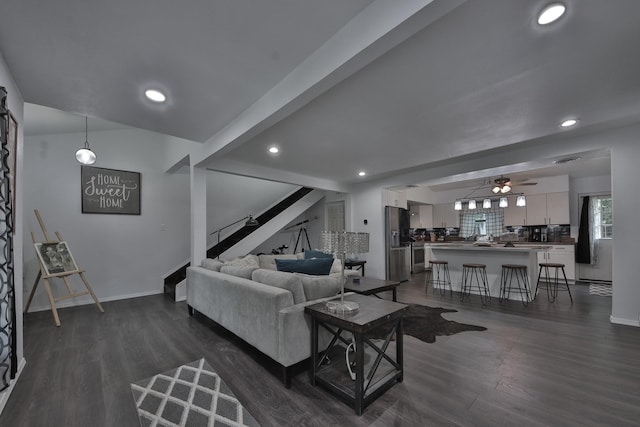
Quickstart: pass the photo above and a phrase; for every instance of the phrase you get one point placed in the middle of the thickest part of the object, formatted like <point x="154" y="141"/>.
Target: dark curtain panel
<point x="583" y="251"/>
<point x="8" y="362"/>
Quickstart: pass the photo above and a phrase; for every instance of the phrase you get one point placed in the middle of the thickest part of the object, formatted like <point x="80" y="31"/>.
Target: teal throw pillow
<point x="312" y="253"/>
<point x="314" y="266"/>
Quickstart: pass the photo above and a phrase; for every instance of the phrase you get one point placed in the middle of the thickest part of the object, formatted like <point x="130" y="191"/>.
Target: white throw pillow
<point x="269" y="261"/>
<point x="238" y="270"/>
<point x="246" y="261"/>
<point x="212" y="264"/>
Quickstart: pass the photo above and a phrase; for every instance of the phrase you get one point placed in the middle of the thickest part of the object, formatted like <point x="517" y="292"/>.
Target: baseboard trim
<point x="626" y="322"/>
<point x="4" y="396"/>
<point x="181" y="291"/>
<point x="70" y="303"/>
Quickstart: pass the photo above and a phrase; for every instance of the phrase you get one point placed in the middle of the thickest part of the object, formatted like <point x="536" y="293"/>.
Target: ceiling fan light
<point x="504" y="203"/>
<point x="521" y="201"/>
<point x="472" y="204"/>
<point x="457" y="206"/>
<point x="495" y="189"/>
<point x="486" y="204"/>
<point x="505" y="189"/>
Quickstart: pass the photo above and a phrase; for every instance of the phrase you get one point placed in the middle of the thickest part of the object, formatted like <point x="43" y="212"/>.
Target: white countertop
<point x="499" y="247"/>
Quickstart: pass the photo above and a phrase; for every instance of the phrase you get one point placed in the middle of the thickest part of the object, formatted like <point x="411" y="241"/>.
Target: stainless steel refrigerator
<point x="398" y="245"/>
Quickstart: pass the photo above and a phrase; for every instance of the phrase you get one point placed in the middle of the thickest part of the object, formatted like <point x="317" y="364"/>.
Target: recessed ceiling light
<point x="569" y="122"/>
<point x="274" y="150"/>
<point x="155" y="95"/>
<point x="362" y="173"/>
<point x="551" y="13"/>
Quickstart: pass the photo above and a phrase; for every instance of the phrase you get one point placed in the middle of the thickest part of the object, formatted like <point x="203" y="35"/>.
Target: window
<point x="601" y="210"/>
<point x="485" y="222"/>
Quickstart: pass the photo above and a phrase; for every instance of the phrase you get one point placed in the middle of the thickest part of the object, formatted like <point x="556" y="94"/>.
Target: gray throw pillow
<point x="319" y="286"/>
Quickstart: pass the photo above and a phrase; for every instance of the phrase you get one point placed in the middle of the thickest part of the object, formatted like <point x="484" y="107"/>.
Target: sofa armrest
<point x="248" y="309"/>
<point x="294" y="332"/>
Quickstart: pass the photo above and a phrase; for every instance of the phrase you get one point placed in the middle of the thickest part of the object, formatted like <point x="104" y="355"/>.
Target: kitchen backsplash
<point x="546" y="233"/>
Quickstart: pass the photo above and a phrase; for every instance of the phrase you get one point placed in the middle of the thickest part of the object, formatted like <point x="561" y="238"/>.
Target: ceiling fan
<point x="504" y="184"/>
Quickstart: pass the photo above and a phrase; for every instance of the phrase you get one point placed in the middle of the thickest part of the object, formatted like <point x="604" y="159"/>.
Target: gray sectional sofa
<point x="261" y="305"/>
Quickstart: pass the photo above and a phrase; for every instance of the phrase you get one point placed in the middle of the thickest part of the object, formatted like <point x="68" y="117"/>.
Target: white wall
<point x="367" y="204"/>
<point x="127" y="255"/>
<point x="232" y="197"/>
<point x="16" y="106"/>
<point x="625" y="176"/>
<point x="123" y="255"/>
<point x="585" y="186"/>
<point x="290" y="237"/>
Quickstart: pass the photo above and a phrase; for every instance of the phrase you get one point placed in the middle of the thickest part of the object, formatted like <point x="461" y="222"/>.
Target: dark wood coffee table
<point x="370" y="286"/>
<point x="375" y="373"/>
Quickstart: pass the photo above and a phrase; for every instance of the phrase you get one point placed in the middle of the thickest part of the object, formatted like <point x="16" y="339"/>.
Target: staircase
<point x="180" y="274"/>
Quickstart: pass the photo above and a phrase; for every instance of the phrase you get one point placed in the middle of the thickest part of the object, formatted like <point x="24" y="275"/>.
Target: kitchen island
<point x="493" y="256"/>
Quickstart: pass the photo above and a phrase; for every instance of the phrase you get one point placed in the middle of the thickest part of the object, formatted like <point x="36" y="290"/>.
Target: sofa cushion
<point x="212" y="264"/>
<point x="238" y="270"/>
<point x="313" y="266"/>
<point x="319" y="286"/>
<point x="312" y="253"/>
<point x="269" y="261"/>
<point x="282" y="280"/>
<point x="245" y="261"/>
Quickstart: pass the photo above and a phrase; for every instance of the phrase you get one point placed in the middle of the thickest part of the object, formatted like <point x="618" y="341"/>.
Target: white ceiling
<point x="456" y="79"/>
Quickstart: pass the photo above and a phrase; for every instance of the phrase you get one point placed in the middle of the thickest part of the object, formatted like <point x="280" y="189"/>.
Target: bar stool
<point x="479" y="272"/>
<point x="439" y="276"/>
<point x="509" y="271"/>
<point x="551" y="285"/>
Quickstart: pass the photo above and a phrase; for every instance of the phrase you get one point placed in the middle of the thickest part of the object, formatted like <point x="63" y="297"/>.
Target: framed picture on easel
<point x="56" y="258"/>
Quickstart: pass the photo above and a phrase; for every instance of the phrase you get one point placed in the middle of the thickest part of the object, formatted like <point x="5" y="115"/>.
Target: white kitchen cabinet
<point x="514" y="215"/>
<point x="421" y="216"/>
<point x="558" y="208"/>
<point x="394" y="198"/>
<point x="561" y="254"/>
<point x="414" y="220"/>
<point x="550" y="208"/>
<point x="536" y="209"/>
<point x="444" y="216"/>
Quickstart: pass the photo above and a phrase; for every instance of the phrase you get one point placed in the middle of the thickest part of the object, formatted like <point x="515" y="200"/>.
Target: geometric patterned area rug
<point x="600" y="290"/>
<point x="188" y="396"/>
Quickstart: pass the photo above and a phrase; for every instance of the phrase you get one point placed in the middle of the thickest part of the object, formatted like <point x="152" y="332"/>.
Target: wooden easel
<point x="42" y="274"/>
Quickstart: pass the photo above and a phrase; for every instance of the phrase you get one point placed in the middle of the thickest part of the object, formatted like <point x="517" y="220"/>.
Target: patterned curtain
<point x="8" y="357"/>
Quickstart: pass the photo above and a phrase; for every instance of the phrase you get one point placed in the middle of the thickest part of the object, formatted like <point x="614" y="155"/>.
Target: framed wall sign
<point x="110" y="191"/>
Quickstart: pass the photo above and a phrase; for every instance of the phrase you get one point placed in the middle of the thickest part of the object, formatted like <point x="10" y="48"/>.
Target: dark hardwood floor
<point x="543" y="365"/>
